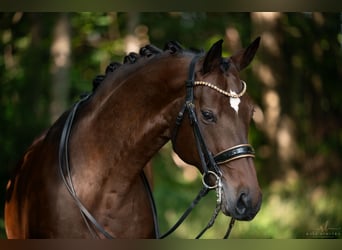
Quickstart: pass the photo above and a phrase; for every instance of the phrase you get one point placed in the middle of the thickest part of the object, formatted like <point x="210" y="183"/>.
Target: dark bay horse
<point x="197" y="100"/>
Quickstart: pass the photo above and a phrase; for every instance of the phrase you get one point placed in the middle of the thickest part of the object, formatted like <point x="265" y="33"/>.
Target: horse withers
<point x="82" y="177"/>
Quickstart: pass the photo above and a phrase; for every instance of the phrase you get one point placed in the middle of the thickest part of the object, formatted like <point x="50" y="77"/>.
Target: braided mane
<point x="147" y="51"/>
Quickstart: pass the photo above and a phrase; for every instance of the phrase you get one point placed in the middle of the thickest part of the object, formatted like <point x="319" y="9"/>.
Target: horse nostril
<point x="242" y="204"/>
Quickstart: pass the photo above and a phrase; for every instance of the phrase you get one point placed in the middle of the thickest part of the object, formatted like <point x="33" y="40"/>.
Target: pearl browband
<point x="229" y="94"/>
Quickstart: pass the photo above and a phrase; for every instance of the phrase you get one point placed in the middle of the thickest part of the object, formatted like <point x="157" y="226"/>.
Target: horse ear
<point x="213" y="57"/>
<point x="244" y="57"/>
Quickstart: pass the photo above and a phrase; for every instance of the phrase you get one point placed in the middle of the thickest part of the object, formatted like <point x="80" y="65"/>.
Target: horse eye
<point x="208" y="116"/>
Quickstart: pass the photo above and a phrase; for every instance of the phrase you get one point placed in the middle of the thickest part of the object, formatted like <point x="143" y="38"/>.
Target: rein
<point x="64" y="169"/>
<point x="209" y="162"/>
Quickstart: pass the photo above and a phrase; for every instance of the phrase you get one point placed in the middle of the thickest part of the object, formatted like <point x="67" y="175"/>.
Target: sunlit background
<point x="48" y="60"/>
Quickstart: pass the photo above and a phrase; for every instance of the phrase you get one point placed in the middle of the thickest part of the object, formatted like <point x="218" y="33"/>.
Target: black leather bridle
<point x="209" y="164"/>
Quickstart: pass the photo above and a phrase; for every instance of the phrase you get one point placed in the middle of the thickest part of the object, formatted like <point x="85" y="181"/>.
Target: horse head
<point x="223" y="112"/>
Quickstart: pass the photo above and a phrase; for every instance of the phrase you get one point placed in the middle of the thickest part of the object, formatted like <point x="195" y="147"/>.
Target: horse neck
<point x="130" y="119"/>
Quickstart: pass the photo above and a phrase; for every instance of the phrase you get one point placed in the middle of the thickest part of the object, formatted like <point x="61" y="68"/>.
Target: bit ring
<point x="207" y="174"/>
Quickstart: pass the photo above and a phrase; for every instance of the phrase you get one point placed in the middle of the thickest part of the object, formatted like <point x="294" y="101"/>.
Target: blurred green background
<point x="48" y="59"/>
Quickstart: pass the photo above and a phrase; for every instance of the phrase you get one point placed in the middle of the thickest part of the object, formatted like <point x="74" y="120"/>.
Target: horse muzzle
<point x="243" y="207"/>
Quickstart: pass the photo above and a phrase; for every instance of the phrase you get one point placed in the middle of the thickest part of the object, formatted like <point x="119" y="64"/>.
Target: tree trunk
<point x="272" y="73"/>
<point x="60" y="52"/>
<point x="137" y="35"/>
